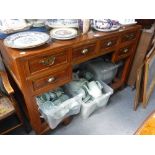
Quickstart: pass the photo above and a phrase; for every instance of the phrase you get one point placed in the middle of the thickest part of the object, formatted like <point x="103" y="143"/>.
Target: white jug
<point x="94" y="88"/>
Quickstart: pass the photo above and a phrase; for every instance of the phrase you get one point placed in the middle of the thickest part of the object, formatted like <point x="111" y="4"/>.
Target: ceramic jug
<point x="84" y="25"/>
<point x="94" y="88"/>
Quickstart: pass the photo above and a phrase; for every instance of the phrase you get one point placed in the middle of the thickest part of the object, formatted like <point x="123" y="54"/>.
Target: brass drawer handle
<point x="109" y="43"/>
<point x="50" y="80"/>
<point x="125" y="50"/>
<point x="132" y="35"/>
<point x="48" y="61"/>
<point x="84" y="51"/>
<point x="129" y="36"/>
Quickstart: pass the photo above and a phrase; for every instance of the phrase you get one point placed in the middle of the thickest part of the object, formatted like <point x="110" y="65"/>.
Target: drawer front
<point x="83" y="51"/>
<point x="128" y="36"/>
<point x="47" y="61"/>
<point x="53" y="80"/>
<point x="108" y="43"/>
<point x="122" y="53"/>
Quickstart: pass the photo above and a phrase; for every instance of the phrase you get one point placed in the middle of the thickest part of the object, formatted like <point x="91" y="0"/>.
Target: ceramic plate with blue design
<point x="24" y="40"/>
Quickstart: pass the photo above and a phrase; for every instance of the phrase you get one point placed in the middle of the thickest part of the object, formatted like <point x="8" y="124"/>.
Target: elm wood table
<point x="41" y="69"/>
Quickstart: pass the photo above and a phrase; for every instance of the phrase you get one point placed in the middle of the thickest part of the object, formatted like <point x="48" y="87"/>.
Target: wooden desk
<point x="41" y="69"/>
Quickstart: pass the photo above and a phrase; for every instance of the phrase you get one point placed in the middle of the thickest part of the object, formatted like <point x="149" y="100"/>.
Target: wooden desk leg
<point x="67" y="120"/>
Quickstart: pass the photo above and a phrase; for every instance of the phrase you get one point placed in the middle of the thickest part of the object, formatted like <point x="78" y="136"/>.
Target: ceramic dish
<point x="24" y="40"/>
<point x="58" y="23"/>
<point x="8" y="26"/>
<point x="108" y="30"/>
<point x="37" y="22"/>
<point x="105" y="25"/>
<point x="63" y="33"/>
<point x="128" y="24"/>
<point x="68" y="38"/>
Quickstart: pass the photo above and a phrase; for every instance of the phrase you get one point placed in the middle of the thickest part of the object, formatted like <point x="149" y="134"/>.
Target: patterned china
<point x="94" y="88"/>
<point x="51" y="99"/>
<point x="24" y="40"/>
<point x="105" y="25"/>
<point x="63" y="33"/>
<point x="59" y="23"/>
<point x="46" y="105"/>
<point x="8" y="26"/>
<point x="45" y="97"/>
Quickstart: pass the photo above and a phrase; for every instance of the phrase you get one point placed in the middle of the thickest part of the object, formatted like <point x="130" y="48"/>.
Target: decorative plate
<point x="58" y="23"/>
<point x="63" y="33"/>
<point x="8" y="26"/>
<point x="24" y="40"/>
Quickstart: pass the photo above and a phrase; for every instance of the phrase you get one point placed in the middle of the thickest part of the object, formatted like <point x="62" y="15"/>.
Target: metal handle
<point x="129" y="36"/>
<point x="109" y="43"/>
<point x="125" y="50"/>
<point x="52" y="79"/>
<point x="48" y="61"/>
<point x="84" y="51"/>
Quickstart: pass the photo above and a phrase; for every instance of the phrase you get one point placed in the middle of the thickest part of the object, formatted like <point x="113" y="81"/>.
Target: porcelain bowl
<point x="105" y="24"/>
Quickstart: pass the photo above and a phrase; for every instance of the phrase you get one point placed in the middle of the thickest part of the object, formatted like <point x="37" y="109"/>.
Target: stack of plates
<point x="63" y="33"/>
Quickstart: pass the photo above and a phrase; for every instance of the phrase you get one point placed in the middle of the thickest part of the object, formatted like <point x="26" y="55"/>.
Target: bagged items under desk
<point x="101" y="69"/>
<point x="94" y="94"/>
<point x="56" y="105"/>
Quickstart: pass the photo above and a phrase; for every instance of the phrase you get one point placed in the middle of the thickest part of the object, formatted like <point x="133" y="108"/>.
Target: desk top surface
<point x="56" y="44"/>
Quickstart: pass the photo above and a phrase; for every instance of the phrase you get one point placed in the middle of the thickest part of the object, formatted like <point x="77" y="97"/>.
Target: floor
<point x="117" y="118"/>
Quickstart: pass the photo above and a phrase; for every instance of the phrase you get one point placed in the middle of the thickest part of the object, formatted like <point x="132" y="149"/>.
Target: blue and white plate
<point x="24" y="40"/>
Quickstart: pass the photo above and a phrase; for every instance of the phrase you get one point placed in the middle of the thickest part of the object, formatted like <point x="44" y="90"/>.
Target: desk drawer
<point x="128" y="36"/>
<point x="53" y="80"/>
<point x="83" y="51"/>
<point x="108" y="43"/>
<point x="124" y="52"/>
<point x="47" y="61"/>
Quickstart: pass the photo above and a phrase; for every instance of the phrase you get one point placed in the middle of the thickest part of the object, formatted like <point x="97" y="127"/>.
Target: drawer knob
<point x="129" y="36"/>
<point x="52" y="79"/>
<point x="48" y="61"/>
<point x="109" y="43"/>
<point x="125" y="50"/>
<point x="84" y="51"/>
